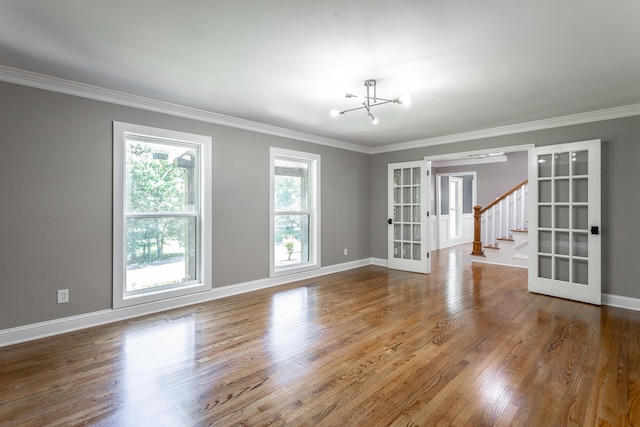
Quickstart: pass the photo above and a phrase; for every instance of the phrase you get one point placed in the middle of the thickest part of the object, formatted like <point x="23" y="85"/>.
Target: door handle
<point x="595" y="230"/>
<point x="389" y="221"/>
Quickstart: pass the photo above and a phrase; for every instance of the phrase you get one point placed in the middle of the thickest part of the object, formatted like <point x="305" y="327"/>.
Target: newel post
<point x="477" y="243"/>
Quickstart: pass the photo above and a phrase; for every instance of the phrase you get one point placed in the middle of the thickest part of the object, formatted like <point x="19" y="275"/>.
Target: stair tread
<point x="491" y="247"/>
<point x="519" y="231"/>
<point x="505" y="239"/>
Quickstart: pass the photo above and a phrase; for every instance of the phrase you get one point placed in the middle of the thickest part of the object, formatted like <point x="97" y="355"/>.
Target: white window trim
<point x="205" y="235"/>
<point x="314" y="234"/>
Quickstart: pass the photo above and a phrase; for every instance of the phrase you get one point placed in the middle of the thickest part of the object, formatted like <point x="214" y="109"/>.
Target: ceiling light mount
<point x="371" y="100"/>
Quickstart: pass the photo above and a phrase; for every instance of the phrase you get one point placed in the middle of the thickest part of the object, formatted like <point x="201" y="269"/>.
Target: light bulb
<point x="335" y="113"/>
<point x="361" y="99"/>
<point x="374" y="121"/>
<point x="405" y="100"/>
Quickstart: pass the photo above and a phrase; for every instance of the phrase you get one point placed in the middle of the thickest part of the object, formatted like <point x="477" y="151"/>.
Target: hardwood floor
<point x="465" y="346"/>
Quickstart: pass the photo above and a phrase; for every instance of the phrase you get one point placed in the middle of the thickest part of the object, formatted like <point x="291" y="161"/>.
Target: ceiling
<point x="468" y="65"/>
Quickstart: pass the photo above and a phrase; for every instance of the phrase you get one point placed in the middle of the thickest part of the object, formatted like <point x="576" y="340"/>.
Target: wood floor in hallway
<point x="466" y="345"/>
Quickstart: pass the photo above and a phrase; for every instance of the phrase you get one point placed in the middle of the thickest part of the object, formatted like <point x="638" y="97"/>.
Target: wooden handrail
<point x="477" y="215"/>
<point x="504" y="196"/>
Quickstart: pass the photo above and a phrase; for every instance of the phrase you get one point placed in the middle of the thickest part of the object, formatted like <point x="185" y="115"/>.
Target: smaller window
<point x="295" y="207"/>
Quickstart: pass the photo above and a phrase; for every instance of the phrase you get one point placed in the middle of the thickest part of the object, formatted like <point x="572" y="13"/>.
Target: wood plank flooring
<point x="464" y="346"/>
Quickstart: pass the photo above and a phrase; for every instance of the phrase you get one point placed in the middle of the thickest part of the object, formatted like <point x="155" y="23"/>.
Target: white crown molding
<point x="573" y="119"/>
<point x="54" y="84"/>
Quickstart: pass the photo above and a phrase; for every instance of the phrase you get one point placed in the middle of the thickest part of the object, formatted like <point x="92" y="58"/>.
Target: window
<point x="295" y="211"/>
<point x="162" y="219"/>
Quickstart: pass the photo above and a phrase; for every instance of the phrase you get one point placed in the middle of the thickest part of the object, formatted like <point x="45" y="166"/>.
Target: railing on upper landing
<point x="496" y="221"/>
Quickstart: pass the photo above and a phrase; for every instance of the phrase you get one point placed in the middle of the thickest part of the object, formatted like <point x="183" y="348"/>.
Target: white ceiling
<point x="468" y="65"/>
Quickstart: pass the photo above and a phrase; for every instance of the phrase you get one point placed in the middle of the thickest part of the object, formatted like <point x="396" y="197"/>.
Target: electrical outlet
<point x="345" y="251"/>
<point x="63" y="295"/>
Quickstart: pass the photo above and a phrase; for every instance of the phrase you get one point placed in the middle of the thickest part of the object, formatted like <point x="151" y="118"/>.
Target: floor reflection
<point x="154" y="358"/>
<point x="454" y="281"/>
<point x="290" y="326"/>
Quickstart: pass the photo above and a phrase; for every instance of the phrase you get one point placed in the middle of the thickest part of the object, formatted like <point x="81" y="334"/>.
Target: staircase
<point x="500" y="229"/>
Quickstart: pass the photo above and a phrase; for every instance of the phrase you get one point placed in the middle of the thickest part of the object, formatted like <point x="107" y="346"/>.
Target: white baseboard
<point x="73" y="323"/>
<point x="621" y="302"/>
<point x="379" y="262"/>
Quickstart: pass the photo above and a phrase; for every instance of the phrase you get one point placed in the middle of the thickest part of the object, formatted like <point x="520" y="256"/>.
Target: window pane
<point x="160" y="177"/>
<point x="291" y="239"/>
<point x="160" y="252"/>
<point x="291" y="182"/>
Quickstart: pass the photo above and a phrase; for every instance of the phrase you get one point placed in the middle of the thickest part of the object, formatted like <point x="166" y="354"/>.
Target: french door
<point x="408" y="198"/>
<point x="564" y="221"/>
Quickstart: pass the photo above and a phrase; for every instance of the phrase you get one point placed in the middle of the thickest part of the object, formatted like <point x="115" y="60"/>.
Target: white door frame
<point x="465" y="155"/>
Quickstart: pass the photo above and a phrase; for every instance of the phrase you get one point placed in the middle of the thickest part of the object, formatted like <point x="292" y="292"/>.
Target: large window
<point x="295" y="207"/>
<point x="161" y="214"/>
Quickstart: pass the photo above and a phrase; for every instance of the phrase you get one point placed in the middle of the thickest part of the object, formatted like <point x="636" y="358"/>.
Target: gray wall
<point x="56" y="201"/>
<point x="620" y="197"/>
<point x="494" y="179"/>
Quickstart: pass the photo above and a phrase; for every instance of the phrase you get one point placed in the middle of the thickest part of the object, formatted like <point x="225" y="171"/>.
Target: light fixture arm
<point x="366" y="101"/>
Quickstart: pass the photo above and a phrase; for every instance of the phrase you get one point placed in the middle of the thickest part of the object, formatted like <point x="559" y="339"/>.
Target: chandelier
<point x="368" y="101"/>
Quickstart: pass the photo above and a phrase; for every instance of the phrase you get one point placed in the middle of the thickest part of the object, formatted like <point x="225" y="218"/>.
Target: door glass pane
<point x="397" y="232"/>
<point x="562" y="217"/>
<point x="562" y="191"/>
<point x="416" y="214"/>
<point x="580" y="271"/>
<point x="544" y="216"/>
<point x="397" y="195"/>
<point x="406" y="232"/>
<point x="416" y="233"/>
<point x="406" y="213"/>
<point x="561" y="163"/>
<point x="562" y="243"/>
<point x="544" y="267"/>
<point x="406" y="195"/>
<point x="396" y="213"/>
<point x="579" y="162"/>
<point x="406" y="250"/>
<point x="397" y="250"/>
<point x="397" y="177"/>
<point x="416" y="176"/>
<point x="580" y="218"/>
<point x="544" y="242"/>
<point x="416" y="195"/>
<point x="544" y="191"/>
<point x="406" y="176"/>
<point x="580" y="190"/>
<point x="416" y="251"/>
<point x="561" y="270"/>
<point x="580" y="245"/>
<point x="544" y="166"/>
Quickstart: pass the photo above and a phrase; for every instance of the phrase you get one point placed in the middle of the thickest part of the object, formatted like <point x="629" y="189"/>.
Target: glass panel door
<point x="408" y="248"/>
<point x="564" y="227"/>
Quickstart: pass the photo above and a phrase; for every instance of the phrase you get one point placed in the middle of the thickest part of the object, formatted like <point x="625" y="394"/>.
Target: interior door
<point x="408" y="242"/>
<point x="564" y="221"/>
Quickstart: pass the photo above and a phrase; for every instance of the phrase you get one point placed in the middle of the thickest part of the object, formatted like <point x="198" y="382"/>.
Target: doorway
<point x="454" y="199"/>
